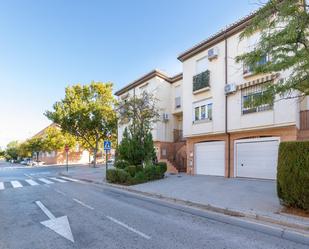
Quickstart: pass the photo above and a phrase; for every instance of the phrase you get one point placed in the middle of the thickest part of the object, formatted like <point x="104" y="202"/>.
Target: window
<point x="177" y="102"/>
<point x="249" y="97"/>
<point x="248" y="69"/>
<point x="178" y="96"/>
<point x="197" y="113"/>
<point x="201" y="65"/>
<point x="203" y="110"/>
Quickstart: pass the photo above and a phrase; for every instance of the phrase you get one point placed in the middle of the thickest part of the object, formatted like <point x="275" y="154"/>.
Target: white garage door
<point x="210" y="158"/>
<point x="257" y="158"/>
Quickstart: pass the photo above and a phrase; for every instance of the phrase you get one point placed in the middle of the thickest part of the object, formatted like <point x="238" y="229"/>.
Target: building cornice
<point x="216" y="38"/>
<point x="148" y="76"/>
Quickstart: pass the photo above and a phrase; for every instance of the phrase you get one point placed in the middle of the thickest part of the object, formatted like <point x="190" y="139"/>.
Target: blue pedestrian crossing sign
<point x="107" y="145"/>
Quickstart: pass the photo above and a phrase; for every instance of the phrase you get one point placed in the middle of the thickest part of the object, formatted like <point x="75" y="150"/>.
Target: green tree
<point x="12" y="150"/>
<point x="55" y="139"/>
<point x="284" y="29"/>
<point x="87" y="112"/>
<point x="138" y="113"/>
<point x="34" y="145"/>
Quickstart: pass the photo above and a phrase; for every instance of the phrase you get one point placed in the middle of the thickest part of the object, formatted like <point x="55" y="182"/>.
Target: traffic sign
<point x="107" y="145"/>
<point x="67" y="148"/>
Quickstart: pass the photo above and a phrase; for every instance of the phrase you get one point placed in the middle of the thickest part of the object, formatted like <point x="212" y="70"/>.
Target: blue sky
<point x="46" y="45"/>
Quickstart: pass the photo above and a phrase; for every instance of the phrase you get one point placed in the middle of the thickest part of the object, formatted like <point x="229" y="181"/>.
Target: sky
<point x="46" y="45"/>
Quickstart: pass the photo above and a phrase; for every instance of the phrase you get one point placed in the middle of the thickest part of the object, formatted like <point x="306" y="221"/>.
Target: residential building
<point x="226" y="136"/>
<point x="76" y="155"/>
<point x="167" y="132"/>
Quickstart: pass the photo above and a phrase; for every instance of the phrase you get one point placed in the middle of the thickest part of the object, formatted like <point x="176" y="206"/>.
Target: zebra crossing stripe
<point x="1" y="185"/>
<point x="57" y="179"/>
<point x="31" y="182"/>
<point x="45" y="181"/>
<point x="16" y="184"/>
<point x="69" y="179"/>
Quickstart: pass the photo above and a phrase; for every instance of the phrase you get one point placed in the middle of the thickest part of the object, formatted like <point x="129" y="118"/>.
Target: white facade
<point x="283" y="113"/>
<point x="165" y="92"/>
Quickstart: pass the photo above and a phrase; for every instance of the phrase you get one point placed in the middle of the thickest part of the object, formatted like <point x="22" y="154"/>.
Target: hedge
<point x="136" y="174"/>
<point x="293" y="174"/>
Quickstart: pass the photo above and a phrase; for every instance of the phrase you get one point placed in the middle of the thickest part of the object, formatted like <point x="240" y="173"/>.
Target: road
<point x="61" y="213"/>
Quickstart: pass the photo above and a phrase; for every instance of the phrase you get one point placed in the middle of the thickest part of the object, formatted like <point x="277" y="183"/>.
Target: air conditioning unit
<point x="230" y="88"/>
<point x="165" y="117"/>
<point x="212" y="53"/>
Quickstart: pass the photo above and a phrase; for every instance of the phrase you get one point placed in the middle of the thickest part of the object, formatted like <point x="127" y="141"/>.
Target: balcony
<point x="201" y="81"/>
<point x="178" y="135"/>
<point x="304" y="120"/>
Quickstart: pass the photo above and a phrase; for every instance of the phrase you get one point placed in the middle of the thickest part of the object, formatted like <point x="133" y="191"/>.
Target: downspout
<point x="226" y="111"/>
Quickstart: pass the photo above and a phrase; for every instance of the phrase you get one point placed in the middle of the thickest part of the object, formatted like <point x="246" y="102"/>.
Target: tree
<point x="87" y="113"/>
<point x="35" y="145"/>
<point x="55" y="139"/>
<point x="138" y="114"/>
<point x="284" y="28"/>
<point x="12" y="150"/>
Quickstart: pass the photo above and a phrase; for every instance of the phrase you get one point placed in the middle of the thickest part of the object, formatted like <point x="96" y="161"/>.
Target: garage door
<point x="209" y="158"/>
<point x="257" y="158"/>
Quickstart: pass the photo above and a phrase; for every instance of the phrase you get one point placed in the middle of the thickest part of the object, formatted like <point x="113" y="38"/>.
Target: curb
<point x="229" y="215"/>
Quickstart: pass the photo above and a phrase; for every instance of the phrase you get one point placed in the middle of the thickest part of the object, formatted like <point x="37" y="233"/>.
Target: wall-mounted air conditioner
<point x="230" y="88"/>
<point x="212" y="53"/>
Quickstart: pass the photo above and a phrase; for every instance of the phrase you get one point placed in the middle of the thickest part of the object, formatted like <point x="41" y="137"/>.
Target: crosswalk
<point x="34" y="182"/>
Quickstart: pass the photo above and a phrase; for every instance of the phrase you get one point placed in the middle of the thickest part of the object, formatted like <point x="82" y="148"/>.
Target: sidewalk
<point x="254" y="199"/>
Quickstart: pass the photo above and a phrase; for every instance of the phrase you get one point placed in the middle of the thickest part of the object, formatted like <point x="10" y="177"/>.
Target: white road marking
<point x="83" y="204"/>
<point x="60" y="192"/>
<point x="31" y="182"/>
<point x="16" y="184"/>
<point x="70" y="179"/>
<point x="59" y="225"/>
<point x="45" y="210"/>
<point x="57" y="179"/>
<point x="28" y="175"/>
<point x="128" y="227"/>
<point x="1" y="185"/>
<point x="45" y="181"/>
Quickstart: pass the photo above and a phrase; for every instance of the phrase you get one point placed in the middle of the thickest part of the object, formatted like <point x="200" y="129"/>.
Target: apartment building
<point x="167" y="132"/>
<point x="225" y="136"/>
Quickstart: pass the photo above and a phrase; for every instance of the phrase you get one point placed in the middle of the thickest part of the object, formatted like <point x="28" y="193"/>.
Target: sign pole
<point x="67" y="156"/>
<point x="67" y="162"/>
<point x="107" y="147"/>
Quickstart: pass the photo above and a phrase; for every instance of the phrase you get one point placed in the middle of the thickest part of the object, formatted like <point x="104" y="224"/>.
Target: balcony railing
<point x="201" y="80"/>
<point x="178" y="135"/>
<point x="304" y="120"/>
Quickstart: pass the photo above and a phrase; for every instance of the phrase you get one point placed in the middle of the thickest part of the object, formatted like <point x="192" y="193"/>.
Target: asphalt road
<point x="60" y="213"/>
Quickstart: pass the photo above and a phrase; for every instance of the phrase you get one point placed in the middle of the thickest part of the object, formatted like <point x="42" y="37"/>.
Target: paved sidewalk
<point x="250" y="198"/>
<point x="88" y="173"/>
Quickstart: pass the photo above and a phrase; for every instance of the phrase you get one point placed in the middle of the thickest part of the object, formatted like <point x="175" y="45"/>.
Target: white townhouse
<point x="225" y="137"/>
<point x="167" y="132"/>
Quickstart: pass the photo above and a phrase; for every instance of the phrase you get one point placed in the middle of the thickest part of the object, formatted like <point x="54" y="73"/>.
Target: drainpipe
<point x="226" y="111"/>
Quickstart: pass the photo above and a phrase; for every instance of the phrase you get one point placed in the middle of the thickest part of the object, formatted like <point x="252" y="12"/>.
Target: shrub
<point x="139" y="168"/>
<point x="140" y="177"/>
<point x="163" y="167"/>
<point x="117" y="176"/>
<point x="131" y="170"/>
<point x="293" y="174"/>
<point x="111" y="175"/>
<point x="153" y="172"/>
<point x="121" y="164"/>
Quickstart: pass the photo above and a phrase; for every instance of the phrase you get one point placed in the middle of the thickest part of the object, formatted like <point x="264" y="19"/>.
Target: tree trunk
<point x="37" y="156"/>
<point x="95" y="151"/>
